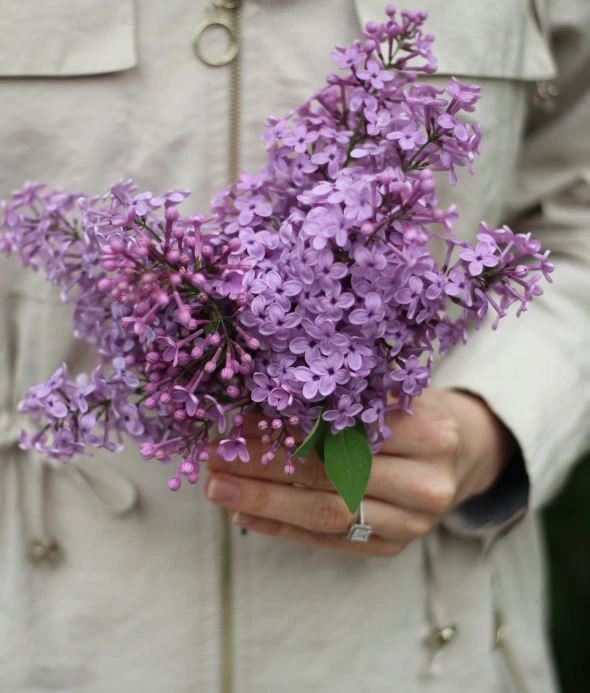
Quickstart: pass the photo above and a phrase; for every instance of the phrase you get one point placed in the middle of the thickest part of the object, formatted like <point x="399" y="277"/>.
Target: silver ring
<point x="360" y="530"/>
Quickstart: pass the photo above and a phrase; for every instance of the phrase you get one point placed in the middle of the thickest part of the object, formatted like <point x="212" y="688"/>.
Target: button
<point x="39" y="551"/>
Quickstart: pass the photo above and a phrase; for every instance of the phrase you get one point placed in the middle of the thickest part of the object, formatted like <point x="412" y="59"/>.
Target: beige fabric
<point x="134" y="604"/>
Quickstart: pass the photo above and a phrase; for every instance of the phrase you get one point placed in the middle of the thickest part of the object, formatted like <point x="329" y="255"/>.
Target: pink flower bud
<point x="187" y="467"/>
<point x="174" y="483"/>
<point x="171" y="214"/>
<point x="173" y="256"/>
<point x="184" y="316"/>
<point x="246" y="369"/>
<point x="276" y="424"/>
<point x="233" y="391"/>
<point x="147" y="450"/>
<point x="227" y="373"/>
<point x="150" y="403"/>
<point x="238" y="419"/>
<point x="180" y="415"/>
<point x="234" y="245"/>
<point x="266" y="439"/>
<point x="290" y="442"/>
<point x="193" y="478"/>
<point x="263" y="425"/>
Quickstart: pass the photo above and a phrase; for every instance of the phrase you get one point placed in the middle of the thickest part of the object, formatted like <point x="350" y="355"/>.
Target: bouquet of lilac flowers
<point x="309" y="296"/>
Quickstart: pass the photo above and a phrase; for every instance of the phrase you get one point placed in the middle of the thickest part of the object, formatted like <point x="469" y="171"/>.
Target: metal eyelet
<point x="232" y="49"/>
<point x="440" y="637"/>
<point x="545" y="96"/>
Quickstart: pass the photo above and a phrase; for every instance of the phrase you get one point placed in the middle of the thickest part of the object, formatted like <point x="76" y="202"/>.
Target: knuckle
<point x="418" y="525"/>
<point x="326" y="516"/>
<point x="439" y="493"/>
<point x="446" y="436"/>
<point x="318" y="477"/>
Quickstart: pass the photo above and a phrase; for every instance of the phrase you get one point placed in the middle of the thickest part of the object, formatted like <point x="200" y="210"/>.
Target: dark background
<point x="567" y="528"/>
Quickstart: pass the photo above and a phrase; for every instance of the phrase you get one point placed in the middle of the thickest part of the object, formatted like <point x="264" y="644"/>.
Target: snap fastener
<point x="440" y="637"/>
<point x="39" y="552"/>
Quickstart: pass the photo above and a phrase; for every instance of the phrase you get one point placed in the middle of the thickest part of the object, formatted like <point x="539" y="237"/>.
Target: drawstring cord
<point x="100" y="481"/>
<point x="440" y="634"/>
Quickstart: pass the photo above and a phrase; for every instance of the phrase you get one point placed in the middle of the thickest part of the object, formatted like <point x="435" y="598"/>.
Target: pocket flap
<point x="65" y="38"/>
<point x="496" y="39"/>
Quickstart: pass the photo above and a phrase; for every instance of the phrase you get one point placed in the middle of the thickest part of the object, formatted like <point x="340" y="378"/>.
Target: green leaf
<point x="319" y="448"/>
<point x="348" y="465"/>
<point x="360" y="427"/>
<point x="316" y="435"/>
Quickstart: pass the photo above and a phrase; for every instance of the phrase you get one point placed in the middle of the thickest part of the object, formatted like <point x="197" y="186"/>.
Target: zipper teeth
<point x="225" y="574"/>
<point x="233" y="170"/>
<point x="233" y="157"/>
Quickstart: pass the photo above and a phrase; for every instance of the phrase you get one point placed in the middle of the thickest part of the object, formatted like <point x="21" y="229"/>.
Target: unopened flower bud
<point x="147" y="450"/>
<point x="174" y="483"/>
<point x="233" y="391"/>
<point x="234" y="245"/>
<point x="171" y="214"/>
<point x="187" y="467"/>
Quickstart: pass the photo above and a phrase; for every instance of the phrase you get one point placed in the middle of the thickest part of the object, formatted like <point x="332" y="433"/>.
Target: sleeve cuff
<point x="498" y="509"/>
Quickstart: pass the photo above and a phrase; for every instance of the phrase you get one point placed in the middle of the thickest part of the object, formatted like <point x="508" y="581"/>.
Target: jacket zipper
<point x="226" y="15"/>
<point x="502" y="643"/>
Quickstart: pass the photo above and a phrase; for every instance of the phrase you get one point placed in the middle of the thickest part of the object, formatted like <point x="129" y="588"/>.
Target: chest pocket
<point x="503" y="39"/>
<point x="66" y="38"/>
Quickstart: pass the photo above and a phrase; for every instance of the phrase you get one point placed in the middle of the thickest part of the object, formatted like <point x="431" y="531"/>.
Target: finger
<point x="316" y="511"/>
<point x="431" y="432"/>
<point x="374" y="547"/>
<point x="414" y="484"/>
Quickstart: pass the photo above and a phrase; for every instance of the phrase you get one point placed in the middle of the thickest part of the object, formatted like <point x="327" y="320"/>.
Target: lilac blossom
<point x="310" y="287"/>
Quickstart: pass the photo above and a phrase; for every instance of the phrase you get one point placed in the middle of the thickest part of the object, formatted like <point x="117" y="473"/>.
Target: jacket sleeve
<point x="534" y="372"/>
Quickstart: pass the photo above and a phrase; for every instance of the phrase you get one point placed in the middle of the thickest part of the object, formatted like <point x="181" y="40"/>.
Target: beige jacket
<point x="92" y="90"/>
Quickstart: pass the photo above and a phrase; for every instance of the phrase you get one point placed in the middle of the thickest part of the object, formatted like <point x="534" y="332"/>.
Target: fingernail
<point x="241" y="519"/>
<point x="222" y="491"/>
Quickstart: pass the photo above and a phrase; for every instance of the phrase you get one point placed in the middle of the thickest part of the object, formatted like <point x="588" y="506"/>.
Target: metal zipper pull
<point x="219" y="15"/>
<point x="226" y="15"/>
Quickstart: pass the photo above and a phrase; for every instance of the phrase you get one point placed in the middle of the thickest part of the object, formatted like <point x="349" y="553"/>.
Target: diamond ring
<point x="360" y="531"/>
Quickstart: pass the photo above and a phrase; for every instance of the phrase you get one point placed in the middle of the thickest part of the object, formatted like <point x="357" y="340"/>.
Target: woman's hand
<point x="451" y="449"/>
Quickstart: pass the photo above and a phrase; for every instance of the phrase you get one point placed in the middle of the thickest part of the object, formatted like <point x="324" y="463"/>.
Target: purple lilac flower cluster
<point x="311" y="291"/>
